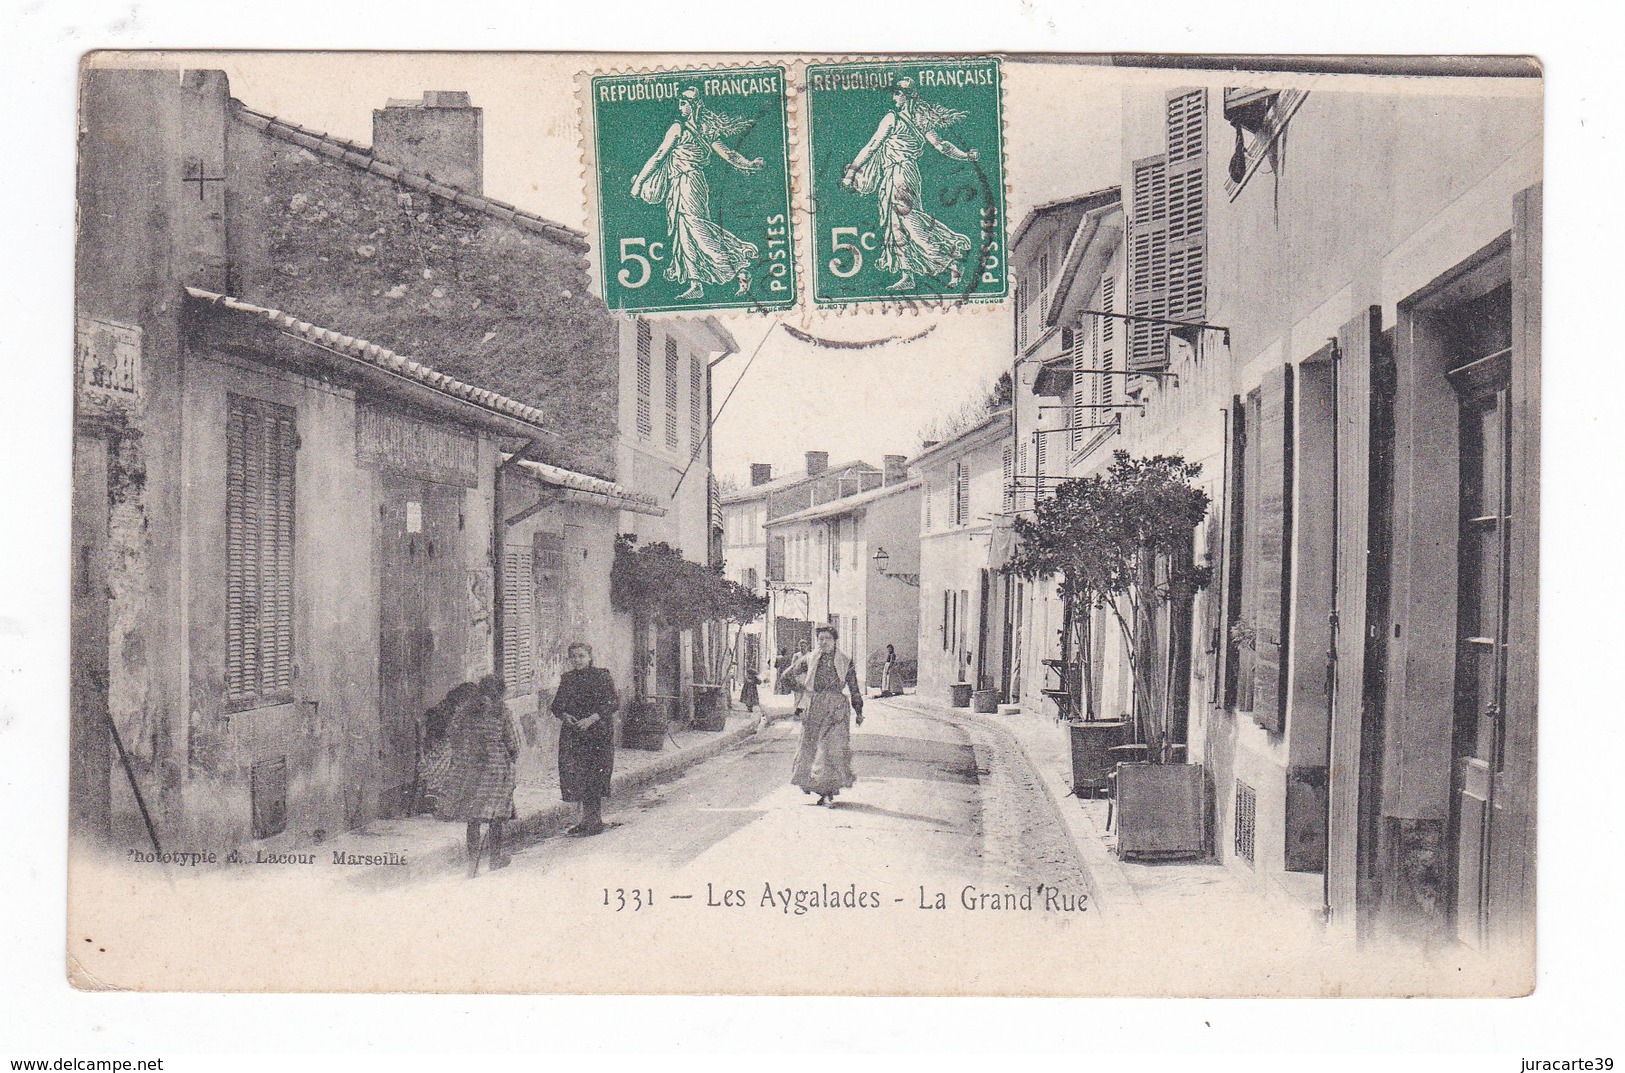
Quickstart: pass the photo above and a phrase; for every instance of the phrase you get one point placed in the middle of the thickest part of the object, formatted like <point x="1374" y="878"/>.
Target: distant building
<point x="756" y="562"/>
<point x="832" y="568"/>
<point x="961" y="608"/>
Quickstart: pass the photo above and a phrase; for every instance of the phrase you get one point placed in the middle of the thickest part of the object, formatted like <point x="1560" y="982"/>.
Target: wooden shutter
<point x="1235" y="493"/>
<point x="1148" y="263"/>
<point x="261" y="440"/>
<point x="645" y="334"/>
<point x="1040" y="457"/>
<point x="518" y="618"/>
<point x="1272" y="579"/>
<point x="1353" y="497"/>
<point x="671" y="393"/>
<point x="1513" y="838"/>
<point x="1021" y="316"/>
<point x="775" y="559"/>
<point x="1073" y="341"/>
<point x="1106" y="348"/>
<point x="1009" y="480"/>
<point x="1187" y="205"/>
<point x="1043" y="290"/>
<point x="698" y="404"/>
<point x="961" y="494"/>
<point x="548" y="551"/>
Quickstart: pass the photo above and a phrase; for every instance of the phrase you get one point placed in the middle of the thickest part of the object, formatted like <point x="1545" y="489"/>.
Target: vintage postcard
<point x="805" y="524"/>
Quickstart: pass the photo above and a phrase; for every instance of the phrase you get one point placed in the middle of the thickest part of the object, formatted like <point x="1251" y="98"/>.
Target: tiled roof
<point x="581" y="482"/>
<point x="846" y="503"/>
<point x="381" y="357"/>
<point x="1079" y="202"/>
<point x="779" y="484"/>
<point x="361" y="156"/>
<point x="987" y="424"/>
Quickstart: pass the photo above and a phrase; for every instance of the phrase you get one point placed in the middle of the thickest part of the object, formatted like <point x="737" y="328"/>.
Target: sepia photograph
<point x="1108" y="564"/>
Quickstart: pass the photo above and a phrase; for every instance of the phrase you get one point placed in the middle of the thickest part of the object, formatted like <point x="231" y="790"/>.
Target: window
<point x="1168" y="231"/>
<point x="698" y="404"/>
<point x="835" y="539"/>
<point x="752" y="582"/>
<point x="947" y="619"/>
<point x="260" y="443"/>
<point x="646" y="427"/>
<point x="961" y="494"/>
<point x="930" y="495"/>
<point x="671" y="393"/>
<point x="775" y="559"/>
<point x="1040" y="456"/>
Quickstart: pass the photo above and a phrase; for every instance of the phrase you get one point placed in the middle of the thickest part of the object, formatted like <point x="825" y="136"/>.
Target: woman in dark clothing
<point x="749" y="695"/>
<point x="585" y="704"/>
<point x="470" y="748"/>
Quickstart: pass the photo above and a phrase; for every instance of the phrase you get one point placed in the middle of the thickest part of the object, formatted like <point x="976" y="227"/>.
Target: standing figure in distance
<point x="833" y="699"/>
<point x="585" y="705"/>
<point x="912" y="241"/>
<point x="702" y="250"/>
<point x="888" y="673"/>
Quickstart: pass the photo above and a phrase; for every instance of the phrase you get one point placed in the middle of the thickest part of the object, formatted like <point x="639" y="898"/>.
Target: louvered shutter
<point x="645" y="357"/>
<point x="698" y="404"/>
<point x="1272" y="579"/>
<point x="1009" y="480"/>
<point x="1106" y="347"/>
<point x="1186" y="177"/>
<point x="671" y="393"/>
<point x="518" y="619"/>
<point x="1073" y="340"/>
<point x="962" y="494"/>
<point x="1043" y="290"/>
<point x="1148" y="264"/>
<point x="1040" y="456"/>
<point x="1353" y="492"/>
<point x="261" y="441"/>
<point x="1021" y="316"/>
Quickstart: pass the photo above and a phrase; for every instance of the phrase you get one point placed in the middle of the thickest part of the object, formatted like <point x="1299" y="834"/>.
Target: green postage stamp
<point x="907" y="181"/>
<point x="693" y="188"/>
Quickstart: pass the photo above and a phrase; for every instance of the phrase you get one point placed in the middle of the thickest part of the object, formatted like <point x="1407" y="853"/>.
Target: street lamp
<point x="882" y="559"/>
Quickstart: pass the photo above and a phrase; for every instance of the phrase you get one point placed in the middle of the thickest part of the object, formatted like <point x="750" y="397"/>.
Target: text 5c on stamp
<point x="907" y="181"/>
<point x="693" y="184"/>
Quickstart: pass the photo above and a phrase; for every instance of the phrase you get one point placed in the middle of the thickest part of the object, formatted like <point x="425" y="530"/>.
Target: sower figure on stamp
<point x="912" y="241"/>
<point x="585" y="704"/>
<point x="702" y="250"/>
<point x="829" y="682"/>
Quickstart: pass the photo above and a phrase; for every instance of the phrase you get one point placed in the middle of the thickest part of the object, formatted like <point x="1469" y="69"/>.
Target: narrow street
<point x="938" y="803"/>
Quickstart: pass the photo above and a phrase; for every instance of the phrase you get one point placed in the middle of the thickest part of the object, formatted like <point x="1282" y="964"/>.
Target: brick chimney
<point x="817" y="462"/>
<point x="760" y="473"/>
<point x="896" y="468"/>
<point x="441" y="136"/>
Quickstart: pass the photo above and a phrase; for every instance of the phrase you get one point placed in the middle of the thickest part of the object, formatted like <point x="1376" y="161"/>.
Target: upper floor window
<point x="260" y="444"/>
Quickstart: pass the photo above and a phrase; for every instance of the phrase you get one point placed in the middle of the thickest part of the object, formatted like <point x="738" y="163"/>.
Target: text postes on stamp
<point x="693" y="186"/>
<point x="907" y="181"/>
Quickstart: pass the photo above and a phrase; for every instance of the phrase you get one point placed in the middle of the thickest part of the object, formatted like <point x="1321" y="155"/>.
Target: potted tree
<point x="1120" y="543"/>
<point x="656" y="581"/>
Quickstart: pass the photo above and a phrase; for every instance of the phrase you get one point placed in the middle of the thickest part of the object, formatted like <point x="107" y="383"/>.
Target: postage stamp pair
<point x="696" y="173"/>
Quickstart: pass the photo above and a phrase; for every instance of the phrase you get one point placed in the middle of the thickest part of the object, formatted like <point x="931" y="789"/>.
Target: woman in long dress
<point x="585" y="704"/>
<point x="913" y="242"/>
<point x="829" y="682"/>
<point x="702" y="251"/>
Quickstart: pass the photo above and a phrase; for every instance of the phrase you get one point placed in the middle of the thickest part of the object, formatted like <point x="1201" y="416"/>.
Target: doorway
<point x="421" y="624"/>
<point x="1480" y="334"/>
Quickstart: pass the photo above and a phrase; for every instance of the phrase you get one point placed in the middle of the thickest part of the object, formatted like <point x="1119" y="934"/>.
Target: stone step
<point x="1009" y="709"/>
